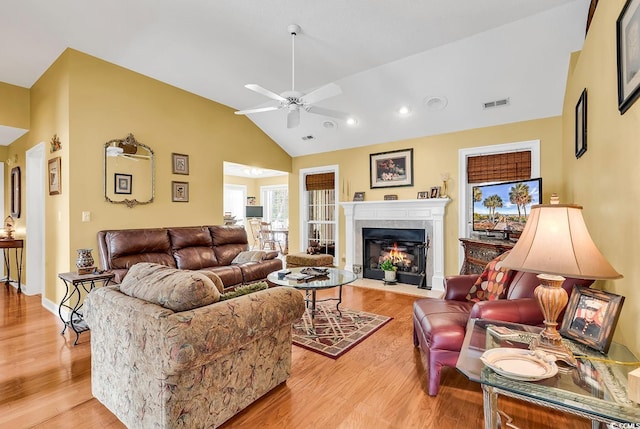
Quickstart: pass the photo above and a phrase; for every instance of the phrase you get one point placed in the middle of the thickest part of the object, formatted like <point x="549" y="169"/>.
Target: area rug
<point x="333" y="332"/>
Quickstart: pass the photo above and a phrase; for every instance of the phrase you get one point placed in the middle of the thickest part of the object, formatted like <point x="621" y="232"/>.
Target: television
<point x="253" y="211"/>
<point x="504" y="207"/>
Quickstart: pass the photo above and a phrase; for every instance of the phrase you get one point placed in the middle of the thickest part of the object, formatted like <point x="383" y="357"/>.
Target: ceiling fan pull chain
<point x="293" y="61"/>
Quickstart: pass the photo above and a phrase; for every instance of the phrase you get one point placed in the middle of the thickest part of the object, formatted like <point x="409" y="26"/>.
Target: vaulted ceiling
<point x="441" y="59"/>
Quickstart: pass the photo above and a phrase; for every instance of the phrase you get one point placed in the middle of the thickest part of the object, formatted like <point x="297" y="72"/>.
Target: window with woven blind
<point x="320" y="182"/>
<point x="501" y="167"/>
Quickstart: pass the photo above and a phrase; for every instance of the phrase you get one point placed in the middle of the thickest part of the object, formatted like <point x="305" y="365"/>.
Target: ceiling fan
<point x="293" y="101"/>
<point x="120" y="151"/>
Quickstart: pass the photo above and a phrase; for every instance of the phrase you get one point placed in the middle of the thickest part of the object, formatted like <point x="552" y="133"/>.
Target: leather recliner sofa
<point x="210" y="248"/>
<point x="439" y="324"/>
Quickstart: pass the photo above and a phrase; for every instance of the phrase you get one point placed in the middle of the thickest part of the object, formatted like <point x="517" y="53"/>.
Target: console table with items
<point x="478" y="252"/>
<point x="6" y="244"/>
<point x="74" y="283"/>
<point x="596" y="389"/>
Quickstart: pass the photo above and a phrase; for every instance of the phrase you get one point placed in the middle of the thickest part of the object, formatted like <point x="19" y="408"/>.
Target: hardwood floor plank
<point x="380" y="384"/>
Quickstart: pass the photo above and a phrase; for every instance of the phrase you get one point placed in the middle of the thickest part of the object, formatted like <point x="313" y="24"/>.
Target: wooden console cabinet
<point x="478" y="252"/>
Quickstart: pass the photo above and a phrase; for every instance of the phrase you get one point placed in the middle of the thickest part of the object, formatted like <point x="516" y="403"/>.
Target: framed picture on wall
<point x="180" y="163"/>
<point x="180" y="192"/>
<point x="122" y="183"/>
<point x="628" y="54"/>
<point x="581" y="124"/>
<point x="55" y="183"/>
<point x="391" y="169"/>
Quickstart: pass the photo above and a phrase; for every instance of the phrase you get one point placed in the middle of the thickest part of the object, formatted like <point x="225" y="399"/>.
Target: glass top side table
<point x="594" y="389"/>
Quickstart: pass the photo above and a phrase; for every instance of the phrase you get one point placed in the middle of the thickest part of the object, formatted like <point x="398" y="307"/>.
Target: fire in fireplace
<point x="406" y="248"/>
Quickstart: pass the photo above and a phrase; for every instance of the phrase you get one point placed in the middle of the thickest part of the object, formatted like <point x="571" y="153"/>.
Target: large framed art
<point x="628" y="43"/>
<point x="391" y="169"/>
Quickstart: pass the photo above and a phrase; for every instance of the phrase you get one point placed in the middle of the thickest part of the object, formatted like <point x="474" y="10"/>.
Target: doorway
<point x="35" y="209"/>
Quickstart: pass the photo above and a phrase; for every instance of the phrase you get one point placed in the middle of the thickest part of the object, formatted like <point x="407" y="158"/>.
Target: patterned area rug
<point x="334" y="333"/>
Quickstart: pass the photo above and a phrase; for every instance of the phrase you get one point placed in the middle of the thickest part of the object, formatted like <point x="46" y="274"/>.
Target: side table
<point x="7" y="244"/>
<point x="73" y="283"/>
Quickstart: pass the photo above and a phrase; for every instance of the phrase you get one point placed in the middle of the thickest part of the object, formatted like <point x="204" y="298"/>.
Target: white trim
<point x="304" y="204"/>
<point x="464" y="221"/>
<point x="35" y="225"/>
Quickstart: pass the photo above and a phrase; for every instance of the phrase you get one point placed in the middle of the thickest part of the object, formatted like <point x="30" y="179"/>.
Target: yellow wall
<point x="432" y="156"/>
<point x="14" y="108"/>
<point x="87" y="102"/>
<point x="605" y="179"/>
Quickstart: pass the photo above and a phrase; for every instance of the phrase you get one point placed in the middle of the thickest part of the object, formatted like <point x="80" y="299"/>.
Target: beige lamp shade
<point x="556" y="241"/>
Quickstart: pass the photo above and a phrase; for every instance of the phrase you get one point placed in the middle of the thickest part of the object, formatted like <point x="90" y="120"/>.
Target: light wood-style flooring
<point x="45" y="382"/>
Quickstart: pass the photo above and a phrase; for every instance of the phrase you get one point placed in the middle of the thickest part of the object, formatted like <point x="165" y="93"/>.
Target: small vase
<point x="390" y="276"/>
<point x="84" y="260"/>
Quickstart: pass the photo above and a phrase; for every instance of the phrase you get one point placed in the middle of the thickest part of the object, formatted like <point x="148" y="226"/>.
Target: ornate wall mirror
<point x="129" y="172"/>
<point x="15" y="192"/>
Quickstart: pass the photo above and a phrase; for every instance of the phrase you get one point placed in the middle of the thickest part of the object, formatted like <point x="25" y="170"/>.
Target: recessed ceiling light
<point x="435" y="102"/>
<point x="404" y="111"/>
<point x="352" y="121"/>
<point x="329" y="124"/>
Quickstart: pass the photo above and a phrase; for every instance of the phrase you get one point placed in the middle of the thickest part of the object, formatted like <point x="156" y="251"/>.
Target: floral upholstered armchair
<point x="166" y="353"/>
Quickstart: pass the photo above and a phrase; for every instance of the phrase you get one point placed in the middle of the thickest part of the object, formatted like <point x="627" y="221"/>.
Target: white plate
<point x="520" y="364"/>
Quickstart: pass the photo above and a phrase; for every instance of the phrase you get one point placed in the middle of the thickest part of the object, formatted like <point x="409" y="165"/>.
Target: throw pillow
<point x="243" y="290"/>
<point x="177" y="290"/>
<point x="492" y="283"/>
<point x="249" y="256"/>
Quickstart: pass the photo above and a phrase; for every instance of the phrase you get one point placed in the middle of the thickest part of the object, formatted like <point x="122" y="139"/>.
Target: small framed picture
<point x="180" y="163"/>
<point x="180" y="192"/>
<point x="435" y="192"/>
<point x="581" y="124"/>
<point x="423" y="195"/>
<point x="122" y="183"/>
<point x="628" y="54"/>
<point x="55" y="182"/>
<point x="591" y="317"/>
<point x="390" y="197"/>
<point x="358" y="196"/>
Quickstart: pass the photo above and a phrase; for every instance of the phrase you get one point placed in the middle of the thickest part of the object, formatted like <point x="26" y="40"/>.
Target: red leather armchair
<point x="439" y="324"/>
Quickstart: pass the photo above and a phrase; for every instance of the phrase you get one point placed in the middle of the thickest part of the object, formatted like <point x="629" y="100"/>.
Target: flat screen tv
<point x="253" y="211"/>
<point x="504" y="207"/>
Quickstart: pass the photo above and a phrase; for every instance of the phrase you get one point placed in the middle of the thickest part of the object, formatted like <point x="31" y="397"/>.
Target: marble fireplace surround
<point x="425" y="214"/>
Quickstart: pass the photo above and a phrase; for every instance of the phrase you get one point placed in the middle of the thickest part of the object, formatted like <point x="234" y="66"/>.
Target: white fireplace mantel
<point x="431" y="209"/>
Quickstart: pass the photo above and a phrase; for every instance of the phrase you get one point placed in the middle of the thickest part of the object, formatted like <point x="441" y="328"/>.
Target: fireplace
<point x="405" y="248"/>
<point x="426" y="214"/>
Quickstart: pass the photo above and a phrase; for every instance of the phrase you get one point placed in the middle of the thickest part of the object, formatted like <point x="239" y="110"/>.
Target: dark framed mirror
<point x="15" y="192"/>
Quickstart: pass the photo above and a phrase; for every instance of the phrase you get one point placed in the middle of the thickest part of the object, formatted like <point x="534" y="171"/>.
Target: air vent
<point x="496" y="103"/>
<point x="309" y="137"/>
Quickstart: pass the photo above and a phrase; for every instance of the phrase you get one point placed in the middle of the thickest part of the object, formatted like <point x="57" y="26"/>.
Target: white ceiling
<point x="383" y="54"/>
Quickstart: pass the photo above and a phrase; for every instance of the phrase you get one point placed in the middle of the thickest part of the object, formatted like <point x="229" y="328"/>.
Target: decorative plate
<point x="520" y="364"/>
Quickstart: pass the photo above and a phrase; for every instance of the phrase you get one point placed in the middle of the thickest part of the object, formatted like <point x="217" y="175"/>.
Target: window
<point x="234" y="200"/>
<point x="319" y="226"/>
<point x="275" y="200"/>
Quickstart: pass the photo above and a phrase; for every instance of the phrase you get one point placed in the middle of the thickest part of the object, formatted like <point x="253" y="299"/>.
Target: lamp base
<point x="560" y="351"/>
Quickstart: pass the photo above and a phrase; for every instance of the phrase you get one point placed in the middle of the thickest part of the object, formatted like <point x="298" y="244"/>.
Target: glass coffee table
<point x="596" y="389"/>
<point x="334" y="278"/>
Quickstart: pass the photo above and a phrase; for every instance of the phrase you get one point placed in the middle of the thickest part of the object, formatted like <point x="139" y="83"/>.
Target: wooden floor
<point x="45" y="382"/>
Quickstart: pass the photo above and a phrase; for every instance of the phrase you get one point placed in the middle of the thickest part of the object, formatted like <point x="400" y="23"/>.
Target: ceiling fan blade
<point x="324" y="92"/>
<point x="327" y="112"/>
<point x="293" y="118"/>
<point x="260" y="90"/>
<point x="257" y="110"/>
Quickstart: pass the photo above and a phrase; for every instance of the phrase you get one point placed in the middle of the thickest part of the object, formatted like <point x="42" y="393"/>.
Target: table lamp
<point x="556" y="243"/>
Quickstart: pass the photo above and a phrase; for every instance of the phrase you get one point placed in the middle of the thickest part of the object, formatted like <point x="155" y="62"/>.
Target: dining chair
<point x="267" y="237"/>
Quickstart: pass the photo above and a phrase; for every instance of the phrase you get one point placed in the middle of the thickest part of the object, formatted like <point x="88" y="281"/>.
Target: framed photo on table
<point x="591" y="317"/>
<point x="391" y="169"/>
<point x="628" y="54"/>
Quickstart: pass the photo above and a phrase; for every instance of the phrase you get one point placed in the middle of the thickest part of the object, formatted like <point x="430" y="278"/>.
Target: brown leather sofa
<point x="209" y="248"/>
<point x="439" y="324"/>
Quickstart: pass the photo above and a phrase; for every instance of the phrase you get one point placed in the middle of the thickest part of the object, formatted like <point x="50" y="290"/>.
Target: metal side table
<point x="75" y="284"/>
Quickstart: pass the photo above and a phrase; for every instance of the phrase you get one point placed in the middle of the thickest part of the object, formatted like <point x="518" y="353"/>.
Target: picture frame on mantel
<point x="391" y="169"/>
<point x="628" y="54"/>
<point x="358" y="196"/>
<point x="581" y="124"/>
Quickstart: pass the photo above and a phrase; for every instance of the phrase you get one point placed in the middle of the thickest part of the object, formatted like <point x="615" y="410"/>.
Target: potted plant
<point x="389" y="271"/>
